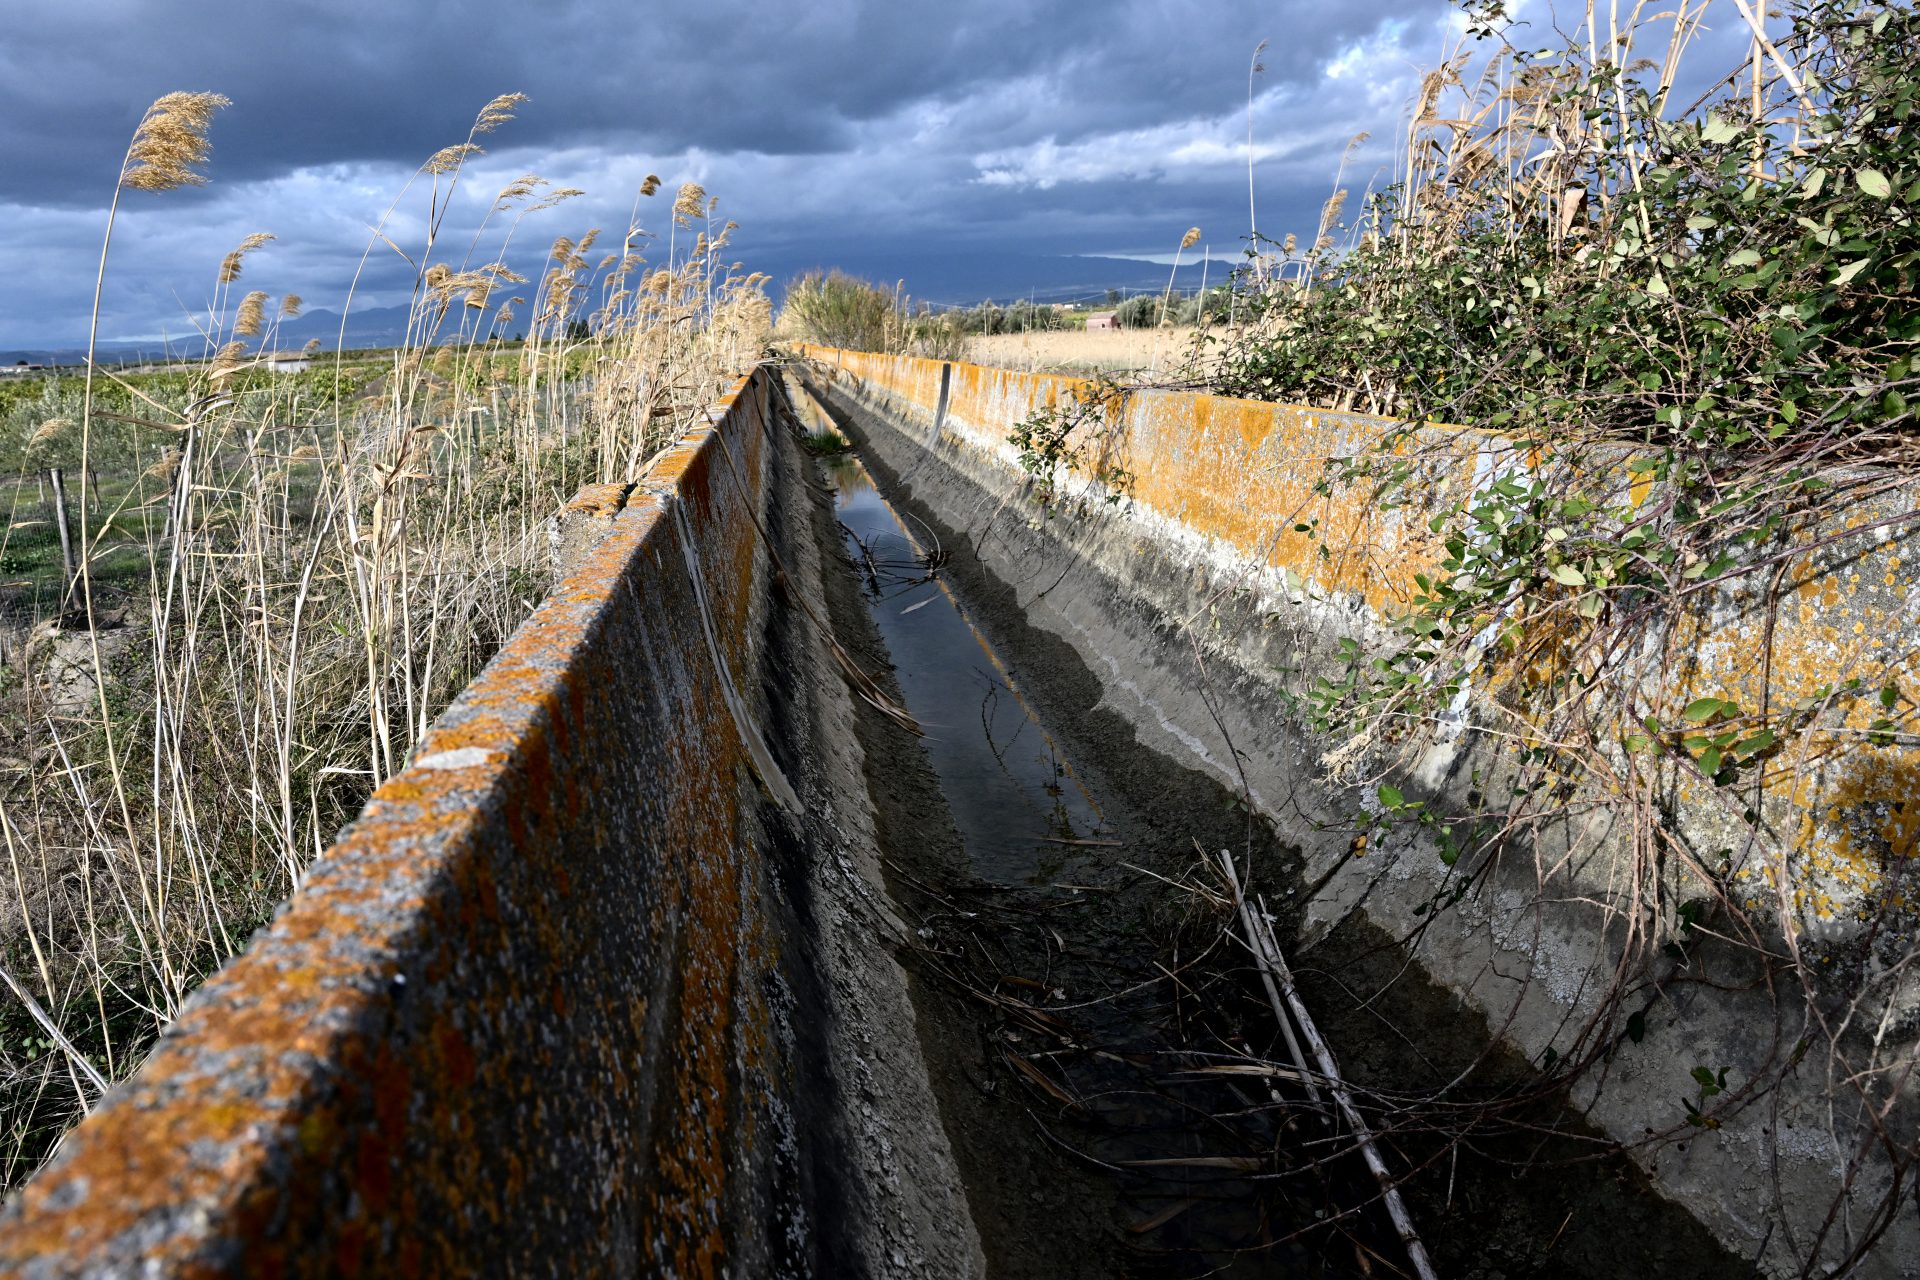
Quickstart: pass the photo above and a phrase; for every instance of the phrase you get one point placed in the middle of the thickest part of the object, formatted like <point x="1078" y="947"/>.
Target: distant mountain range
<point x="942" y="279"/>
<point x="374" y="327"/>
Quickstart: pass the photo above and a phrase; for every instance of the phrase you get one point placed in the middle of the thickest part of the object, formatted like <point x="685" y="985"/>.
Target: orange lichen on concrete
<point x="1242" y="473"/>
<point x="603" y="500"/>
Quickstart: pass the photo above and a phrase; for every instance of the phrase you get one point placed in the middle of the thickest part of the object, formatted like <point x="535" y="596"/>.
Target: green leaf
<point x="1719" y="129"/>
<point x="1567" y="575"/>
<point x="1702" y="710"/>
<point x="1744" y="258"/>
<point x="1710" y="761"/>
<point x="1851" y="270"/>
<point x="1874" y="183"/>
<point x="1391" y="797"/>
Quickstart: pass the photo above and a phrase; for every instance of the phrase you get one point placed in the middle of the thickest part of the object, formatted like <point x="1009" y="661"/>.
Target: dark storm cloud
<point x="1047" y="124"/>
<point x="357" y="80"/>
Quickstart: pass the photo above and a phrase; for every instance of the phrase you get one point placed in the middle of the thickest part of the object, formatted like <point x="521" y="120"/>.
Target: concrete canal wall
<point x="597" y="985"/>
<point x="1222" y="574"/>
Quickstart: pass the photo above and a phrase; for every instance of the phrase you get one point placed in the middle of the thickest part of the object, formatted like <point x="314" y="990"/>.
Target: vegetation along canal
<point x="1111" y="1074"/>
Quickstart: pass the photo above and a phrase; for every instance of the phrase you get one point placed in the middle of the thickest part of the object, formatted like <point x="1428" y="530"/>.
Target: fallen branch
<point x="1270" y="965"/>
<point x="1273" y="970"/>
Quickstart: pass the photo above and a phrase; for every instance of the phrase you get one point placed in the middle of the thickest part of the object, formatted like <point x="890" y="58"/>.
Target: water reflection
<point x="1013" y="794"/>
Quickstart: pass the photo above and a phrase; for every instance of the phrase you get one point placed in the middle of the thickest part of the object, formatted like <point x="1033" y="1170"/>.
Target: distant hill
<point x="373" y="327"/>
<point x="952" y="279"/>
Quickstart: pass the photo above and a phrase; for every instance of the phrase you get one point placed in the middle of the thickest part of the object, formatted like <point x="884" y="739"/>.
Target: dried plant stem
<point x="328" y="561"/>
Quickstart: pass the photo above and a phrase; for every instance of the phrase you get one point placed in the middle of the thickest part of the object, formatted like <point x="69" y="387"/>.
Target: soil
<point x="1052" y="1033"/>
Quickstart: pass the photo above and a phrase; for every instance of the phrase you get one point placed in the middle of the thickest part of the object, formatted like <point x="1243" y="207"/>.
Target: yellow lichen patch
<point x="1859" y="820"/>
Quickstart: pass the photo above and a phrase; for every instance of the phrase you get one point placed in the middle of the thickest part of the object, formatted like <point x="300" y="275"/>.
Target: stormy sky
<point x="836" y="131"/>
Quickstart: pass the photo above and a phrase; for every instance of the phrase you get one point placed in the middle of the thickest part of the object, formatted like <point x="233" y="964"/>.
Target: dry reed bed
<point x="323" y="573"/>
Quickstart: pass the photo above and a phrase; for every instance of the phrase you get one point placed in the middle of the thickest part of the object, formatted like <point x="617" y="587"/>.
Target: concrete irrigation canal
<point x="868" y="862"/>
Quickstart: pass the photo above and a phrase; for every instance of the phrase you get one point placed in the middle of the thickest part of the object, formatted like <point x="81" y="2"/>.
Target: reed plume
<point x="226" y="360"/>
<point x="448" y="159"/>
<point x="1329" y="219"/>
<point x="690" y="203"/>
<point x="498" y="112"/>
<point x="230" y="265"/>
<point x="554" y="197"/>
<point x="253" y="314"/>
<point x="519" y="189"/>
<point x="170" y="141"/>
<point x="164" y="466"/>
<point x="49" y="433"/>
<point x="1187" y="241"/>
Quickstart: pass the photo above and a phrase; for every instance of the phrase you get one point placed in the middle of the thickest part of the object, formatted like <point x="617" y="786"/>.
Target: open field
<point x="1143" y="351"/>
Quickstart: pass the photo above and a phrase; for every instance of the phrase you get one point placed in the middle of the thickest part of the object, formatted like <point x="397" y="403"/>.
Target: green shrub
<point x="839" y="310"/>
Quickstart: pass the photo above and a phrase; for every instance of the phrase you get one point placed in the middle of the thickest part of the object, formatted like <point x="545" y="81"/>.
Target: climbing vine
<point x="1691" y="329"/>
<point x="1076" y="436"/>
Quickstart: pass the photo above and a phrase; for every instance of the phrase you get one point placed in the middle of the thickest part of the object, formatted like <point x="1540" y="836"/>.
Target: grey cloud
<point x="357" y="80"/>
<point x="800" y="117"/>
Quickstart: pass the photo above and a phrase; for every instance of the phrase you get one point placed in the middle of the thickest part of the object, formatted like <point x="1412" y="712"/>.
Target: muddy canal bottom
<point x="1105" y="1116"/>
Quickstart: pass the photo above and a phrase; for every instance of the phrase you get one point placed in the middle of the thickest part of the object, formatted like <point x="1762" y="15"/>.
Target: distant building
<point x="286" y="362"/>
<point x="1102" y="320"/>
<point x="20" y="368"/>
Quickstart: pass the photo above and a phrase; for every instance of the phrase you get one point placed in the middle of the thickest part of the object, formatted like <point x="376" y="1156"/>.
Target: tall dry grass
<point x="328" y="560"/>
